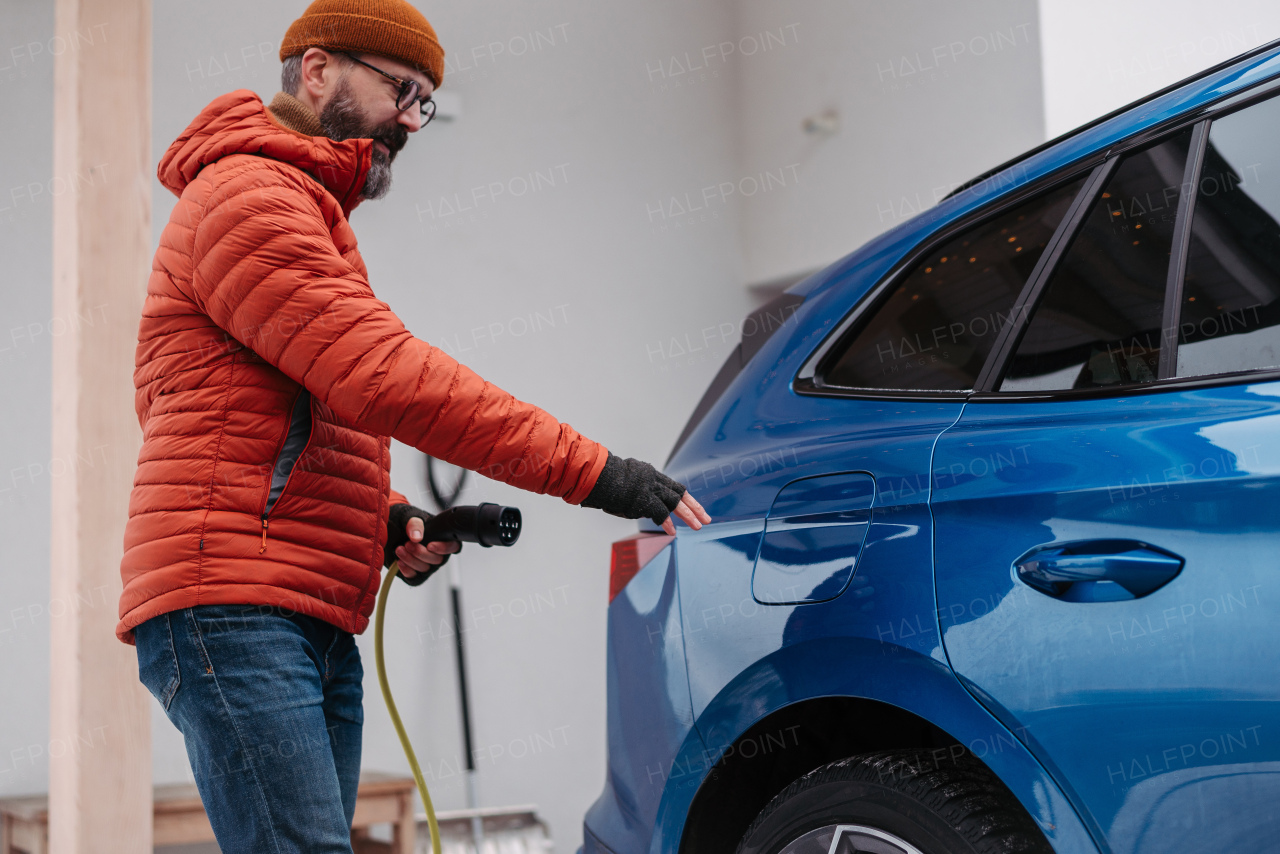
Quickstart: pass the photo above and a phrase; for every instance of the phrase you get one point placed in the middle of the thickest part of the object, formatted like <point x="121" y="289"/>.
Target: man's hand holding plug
<point x="416" y="556"/>
<point x="418" y="560"/>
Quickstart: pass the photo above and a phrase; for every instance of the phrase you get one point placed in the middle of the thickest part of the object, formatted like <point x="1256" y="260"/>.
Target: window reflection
<point x="937" y="328"/>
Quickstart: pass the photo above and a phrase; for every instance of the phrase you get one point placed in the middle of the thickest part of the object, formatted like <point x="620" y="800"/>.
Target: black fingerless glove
<point x="633" y="489"/>
<point x="397" y="517"/>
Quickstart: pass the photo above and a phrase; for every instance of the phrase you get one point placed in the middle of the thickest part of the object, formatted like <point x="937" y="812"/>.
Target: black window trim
<point x="1178" y="250"/>
<point x="1250" y="377"/>
<point x="1101" y="163"/>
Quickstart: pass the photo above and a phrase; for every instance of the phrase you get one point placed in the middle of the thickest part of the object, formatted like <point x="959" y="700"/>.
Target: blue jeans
<point x="268" y="702"/>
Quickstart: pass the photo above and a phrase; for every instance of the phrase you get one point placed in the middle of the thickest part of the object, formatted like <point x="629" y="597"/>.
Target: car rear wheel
<point x="896" y="802"/>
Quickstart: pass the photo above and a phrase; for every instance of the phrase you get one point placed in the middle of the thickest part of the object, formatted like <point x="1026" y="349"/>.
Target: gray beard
<point x="378" y="182"/>
<point x="342" y="119"/>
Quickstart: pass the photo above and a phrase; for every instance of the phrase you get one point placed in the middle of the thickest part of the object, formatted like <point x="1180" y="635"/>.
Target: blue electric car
<point x="995" y="562"/>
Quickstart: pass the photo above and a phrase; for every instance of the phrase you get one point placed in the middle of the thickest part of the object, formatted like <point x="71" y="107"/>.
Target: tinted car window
<point x="1230" y="315"/>
<point x="938" y="326"/>
<point x="1098" y="322"/>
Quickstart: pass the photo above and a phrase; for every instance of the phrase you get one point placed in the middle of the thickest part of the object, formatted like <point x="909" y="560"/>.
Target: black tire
<point x="927" y="800"/>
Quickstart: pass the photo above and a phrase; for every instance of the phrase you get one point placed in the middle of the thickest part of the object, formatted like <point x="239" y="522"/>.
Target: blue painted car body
<point x="866" y="548"/>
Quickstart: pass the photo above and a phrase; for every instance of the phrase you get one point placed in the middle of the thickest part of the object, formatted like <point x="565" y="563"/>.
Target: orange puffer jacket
<point x="257" y="291"/>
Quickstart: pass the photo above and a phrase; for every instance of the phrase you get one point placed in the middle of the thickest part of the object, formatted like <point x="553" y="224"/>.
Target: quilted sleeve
<point x="266" y="271"/>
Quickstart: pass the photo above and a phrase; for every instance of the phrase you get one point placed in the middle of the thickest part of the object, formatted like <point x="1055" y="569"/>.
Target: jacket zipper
<point x="310" y="435"/>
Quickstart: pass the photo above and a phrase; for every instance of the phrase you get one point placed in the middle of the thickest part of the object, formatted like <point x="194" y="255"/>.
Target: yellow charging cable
<point x="391" y="707"/>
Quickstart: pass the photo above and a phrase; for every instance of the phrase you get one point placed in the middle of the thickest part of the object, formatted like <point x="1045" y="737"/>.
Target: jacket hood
<point x="239" y="123"/>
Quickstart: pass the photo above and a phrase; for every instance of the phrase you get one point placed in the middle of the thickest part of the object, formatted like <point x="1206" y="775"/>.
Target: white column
<point x="99" y="718"/>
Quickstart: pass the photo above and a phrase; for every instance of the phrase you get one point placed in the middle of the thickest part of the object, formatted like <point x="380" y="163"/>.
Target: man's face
<point x="362" y="105"/>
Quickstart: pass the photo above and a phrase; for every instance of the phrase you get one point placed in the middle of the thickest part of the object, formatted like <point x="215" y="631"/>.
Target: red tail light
<point x="630" y="556"/>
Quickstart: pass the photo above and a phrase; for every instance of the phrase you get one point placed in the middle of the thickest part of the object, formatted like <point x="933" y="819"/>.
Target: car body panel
<point x="650" y="716"/>
<point x="1117" y="696"/>
<point x="726" y="629"/>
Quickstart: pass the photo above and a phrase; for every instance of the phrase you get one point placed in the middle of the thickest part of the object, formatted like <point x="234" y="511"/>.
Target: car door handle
<point x="1098" y="570"/>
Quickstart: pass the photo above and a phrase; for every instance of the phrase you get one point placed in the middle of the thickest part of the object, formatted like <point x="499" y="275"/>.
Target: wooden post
<point x="99" y="717"/>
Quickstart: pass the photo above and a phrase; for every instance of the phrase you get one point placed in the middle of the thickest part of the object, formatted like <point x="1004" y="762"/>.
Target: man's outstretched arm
<point x="265" y="263"/>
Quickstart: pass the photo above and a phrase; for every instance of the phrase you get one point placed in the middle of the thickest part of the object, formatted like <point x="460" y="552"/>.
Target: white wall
<point x="928" y="93"/>
<point x="26" y="305"/>
<point x="1100" y="55"/>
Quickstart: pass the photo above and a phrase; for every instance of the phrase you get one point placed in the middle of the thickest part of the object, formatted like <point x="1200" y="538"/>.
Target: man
<point x="269" y="379"/>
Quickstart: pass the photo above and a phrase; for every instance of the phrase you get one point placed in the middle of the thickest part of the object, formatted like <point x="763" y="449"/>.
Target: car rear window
<point x="936" y="328"/>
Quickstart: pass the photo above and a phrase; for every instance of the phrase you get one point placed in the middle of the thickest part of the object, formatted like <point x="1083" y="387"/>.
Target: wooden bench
<point x="180" y="818"/>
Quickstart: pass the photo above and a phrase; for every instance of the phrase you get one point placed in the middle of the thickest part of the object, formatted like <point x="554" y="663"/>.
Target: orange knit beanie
<point x="386" y="27"/>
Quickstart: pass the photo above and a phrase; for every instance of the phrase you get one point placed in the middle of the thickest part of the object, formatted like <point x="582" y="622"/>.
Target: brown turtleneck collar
<point x="295" y="115"/>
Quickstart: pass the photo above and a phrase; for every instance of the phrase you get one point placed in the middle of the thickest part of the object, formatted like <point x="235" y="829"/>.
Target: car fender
<point x="865" y="669"/>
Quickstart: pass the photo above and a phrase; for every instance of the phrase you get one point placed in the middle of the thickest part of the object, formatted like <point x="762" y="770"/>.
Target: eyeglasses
<point x="409" y="92"/>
